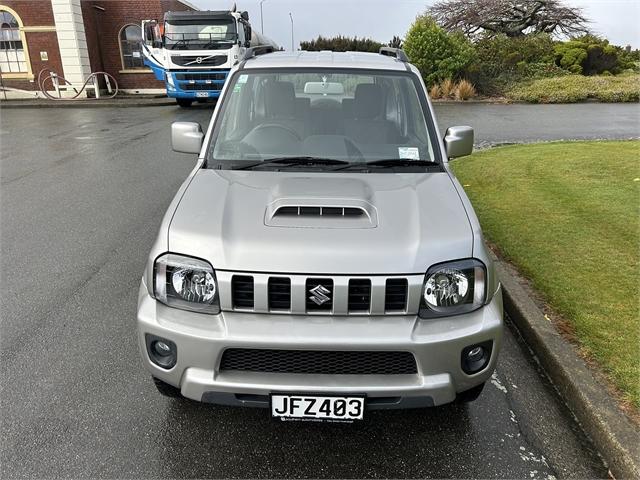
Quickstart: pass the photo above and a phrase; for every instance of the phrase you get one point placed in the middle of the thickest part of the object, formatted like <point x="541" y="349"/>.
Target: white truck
<point x="193" y="51"/>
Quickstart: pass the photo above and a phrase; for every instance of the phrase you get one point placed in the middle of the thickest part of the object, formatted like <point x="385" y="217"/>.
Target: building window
<point x="130" y="39"/>
<point x="12" y="55"/>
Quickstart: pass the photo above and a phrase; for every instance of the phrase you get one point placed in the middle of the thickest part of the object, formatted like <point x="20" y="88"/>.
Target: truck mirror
<point x="245" y="16"/>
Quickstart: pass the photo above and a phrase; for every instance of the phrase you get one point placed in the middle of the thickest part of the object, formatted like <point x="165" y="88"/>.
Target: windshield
<point x="196" y="35"/>
<point x="333" y="117"/>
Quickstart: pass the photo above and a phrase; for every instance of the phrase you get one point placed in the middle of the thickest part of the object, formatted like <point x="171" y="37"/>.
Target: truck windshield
<point x="332" y="119"/>
<point x="198" y="35"/>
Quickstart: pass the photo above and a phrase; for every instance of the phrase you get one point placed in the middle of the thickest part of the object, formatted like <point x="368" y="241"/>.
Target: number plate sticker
<point x="202" y="94"/>
<point x="317" y="408"/>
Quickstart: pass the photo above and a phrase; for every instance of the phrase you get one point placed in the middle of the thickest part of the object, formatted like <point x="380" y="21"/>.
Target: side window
<point x="130" y="49"/>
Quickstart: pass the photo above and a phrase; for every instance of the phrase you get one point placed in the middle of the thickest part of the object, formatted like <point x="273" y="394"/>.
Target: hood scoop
<point x="321" y="213"/>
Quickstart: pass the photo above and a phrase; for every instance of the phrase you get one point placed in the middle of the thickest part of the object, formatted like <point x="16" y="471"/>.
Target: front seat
<point x="368" y="125"/>
<point x="282" y="108"/>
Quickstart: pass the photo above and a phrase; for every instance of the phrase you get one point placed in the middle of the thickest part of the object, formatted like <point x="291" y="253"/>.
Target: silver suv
<point x="321" y="259"/>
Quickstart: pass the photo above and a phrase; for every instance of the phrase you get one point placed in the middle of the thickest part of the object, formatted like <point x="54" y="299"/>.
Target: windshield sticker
<point x="409" y="153"/>
<point x="237" y="88"/>
<point x="243" y="79"/>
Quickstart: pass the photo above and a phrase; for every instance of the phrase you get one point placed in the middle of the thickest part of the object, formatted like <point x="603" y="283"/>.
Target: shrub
<point x="341" y="44"/>
<point x="465" y="90"/>
<point x="577" y="88"/>
<point x="588" y="55"/>
<point x="447" y="88"/>
<point x="502" y="61"/>
<point x="437" y="54"/>
<point x="434" y="91"/>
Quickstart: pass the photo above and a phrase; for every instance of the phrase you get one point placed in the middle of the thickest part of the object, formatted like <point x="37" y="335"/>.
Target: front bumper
<point x="436" y="344"/>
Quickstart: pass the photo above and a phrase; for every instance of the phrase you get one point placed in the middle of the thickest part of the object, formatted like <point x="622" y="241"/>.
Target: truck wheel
<point x="184" y="102"/>
<point x="166" y="389"/>
<point x="470" y="395"/>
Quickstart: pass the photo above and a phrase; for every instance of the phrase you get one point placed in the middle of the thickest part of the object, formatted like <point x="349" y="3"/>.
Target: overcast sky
<point x="617" y="20"/>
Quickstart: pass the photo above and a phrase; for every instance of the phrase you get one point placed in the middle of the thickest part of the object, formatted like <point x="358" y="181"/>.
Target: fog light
<point x="162" y="348"/>
<point x="475" y="354"/>
<point x="162" y="352"/>
<point x="475" y="358"/>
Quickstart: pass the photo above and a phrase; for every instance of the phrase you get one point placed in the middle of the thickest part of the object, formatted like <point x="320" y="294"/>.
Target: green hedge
<point x="578" y="88"/>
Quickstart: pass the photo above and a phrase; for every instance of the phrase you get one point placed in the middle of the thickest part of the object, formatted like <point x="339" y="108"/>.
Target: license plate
<point x="202" y="94"/>
<point x="317" y="408"/>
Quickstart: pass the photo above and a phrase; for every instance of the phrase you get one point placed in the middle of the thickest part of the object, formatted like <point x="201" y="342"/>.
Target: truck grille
<point x="319" y="362"/>
<point x="319" y="295"/>
<point x="192" y="60"/>
<point x="196" y="77"/>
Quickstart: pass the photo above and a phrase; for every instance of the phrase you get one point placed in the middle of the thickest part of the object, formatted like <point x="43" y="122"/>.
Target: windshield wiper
<point x="295" y="161"/>
<point x="390" y="163"/>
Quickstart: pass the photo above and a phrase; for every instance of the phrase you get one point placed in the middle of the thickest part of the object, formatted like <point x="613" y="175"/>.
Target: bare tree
<point x="514" y="18"/>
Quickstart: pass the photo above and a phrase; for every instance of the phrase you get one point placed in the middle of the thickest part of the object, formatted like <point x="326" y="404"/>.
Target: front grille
<point x="192" y="60"/>
<point x="196" y="87"/>
<point x="203" y="77"/>
<point x="293" y="210"/>
<point x="279" y="293"/>
<point x="242" y="292"/>
<point x="395" y="298"/>
<point x="315" y="362"/>
<point x="319" y="294"/>
<point x="359" y="295"/>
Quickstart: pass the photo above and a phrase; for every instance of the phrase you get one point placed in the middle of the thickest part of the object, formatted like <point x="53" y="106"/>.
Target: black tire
<point x="166" y="389"/>
<point x="470" y="395"/>
<point x="184" y="102"/>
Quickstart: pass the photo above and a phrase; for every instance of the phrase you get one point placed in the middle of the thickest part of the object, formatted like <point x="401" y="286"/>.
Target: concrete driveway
<point x="82" y="194"/>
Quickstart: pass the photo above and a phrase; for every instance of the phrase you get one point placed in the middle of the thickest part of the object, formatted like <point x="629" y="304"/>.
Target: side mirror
<point x="186" y="137"/>
<point x="458" y="141"/>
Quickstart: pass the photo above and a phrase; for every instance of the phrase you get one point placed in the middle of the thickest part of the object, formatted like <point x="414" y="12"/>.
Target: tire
<point x="470" y="395"/>
<point x="184" y="102"/>
<point x="166" y="389"/>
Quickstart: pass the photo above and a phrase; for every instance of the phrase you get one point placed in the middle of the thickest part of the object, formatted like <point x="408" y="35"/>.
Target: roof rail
<point x="398" y="53"/>
<point x="259" y="50"/>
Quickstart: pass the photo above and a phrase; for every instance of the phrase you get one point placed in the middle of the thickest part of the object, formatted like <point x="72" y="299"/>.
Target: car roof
<point x="326" y="59"/>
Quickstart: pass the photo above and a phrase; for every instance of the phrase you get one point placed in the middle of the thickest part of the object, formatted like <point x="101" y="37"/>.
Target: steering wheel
<point x="265" y="126"/>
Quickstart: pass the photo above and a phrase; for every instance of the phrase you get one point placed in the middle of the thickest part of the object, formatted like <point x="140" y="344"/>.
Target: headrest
<point x="368" y="101"/>
<point x="280" y="99"/>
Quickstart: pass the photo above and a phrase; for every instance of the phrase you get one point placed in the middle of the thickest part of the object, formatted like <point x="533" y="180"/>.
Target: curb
<point x="616" y="438"/>
<point x="123" y="103"/>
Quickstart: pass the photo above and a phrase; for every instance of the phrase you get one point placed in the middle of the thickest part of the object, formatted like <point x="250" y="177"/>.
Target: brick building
<point x="76" y="37"/>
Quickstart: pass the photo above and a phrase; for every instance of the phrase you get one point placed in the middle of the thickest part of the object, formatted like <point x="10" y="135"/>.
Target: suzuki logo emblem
<point x="199" y="60"/>
<point x="319" y="295"/>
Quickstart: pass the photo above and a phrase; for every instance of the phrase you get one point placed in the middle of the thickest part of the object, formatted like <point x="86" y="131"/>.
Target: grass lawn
<point x="567" y="214"/>
<point x="578" y="88"/>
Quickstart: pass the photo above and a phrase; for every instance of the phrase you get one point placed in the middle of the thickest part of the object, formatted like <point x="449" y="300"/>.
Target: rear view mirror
<point x="186" y="137"/>
<point x="458" y="141"/>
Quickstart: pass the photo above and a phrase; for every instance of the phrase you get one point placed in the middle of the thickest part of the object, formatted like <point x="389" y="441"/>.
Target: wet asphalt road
<point x="82" y="194"/>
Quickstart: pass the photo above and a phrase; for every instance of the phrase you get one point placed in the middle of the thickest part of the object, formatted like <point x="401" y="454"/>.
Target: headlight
<point x="187" y="283"/>
<point x="453" y="288"/>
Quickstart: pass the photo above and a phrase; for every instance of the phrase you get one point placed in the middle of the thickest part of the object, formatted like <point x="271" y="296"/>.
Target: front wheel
<point x="470" y="395"/>
<point x="166" y="389"/>
<point x="184" y="102"/>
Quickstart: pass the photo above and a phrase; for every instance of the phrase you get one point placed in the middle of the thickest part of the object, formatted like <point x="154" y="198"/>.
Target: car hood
<point x="331" y="223"/>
